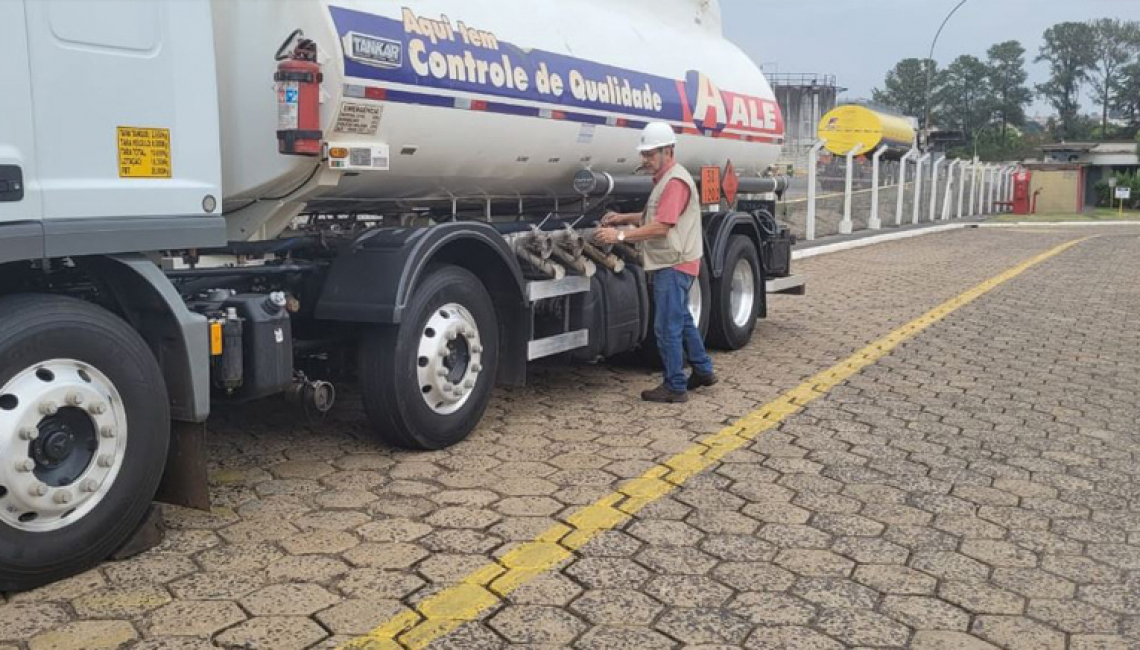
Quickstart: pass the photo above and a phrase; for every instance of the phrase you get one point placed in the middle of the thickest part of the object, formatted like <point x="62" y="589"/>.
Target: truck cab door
<point x="21" y="209"/>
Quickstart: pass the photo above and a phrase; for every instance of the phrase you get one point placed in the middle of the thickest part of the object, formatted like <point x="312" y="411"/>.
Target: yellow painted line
<point x="440" y="614"/>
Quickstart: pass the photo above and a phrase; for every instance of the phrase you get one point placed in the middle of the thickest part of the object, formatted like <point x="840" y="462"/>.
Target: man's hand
<point x="606" y="236"/>
<point x="611" y="219"/>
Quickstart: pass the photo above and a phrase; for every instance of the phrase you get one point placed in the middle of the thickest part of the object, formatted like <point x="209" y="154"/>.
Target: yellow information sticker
<point x="144" y="152"/>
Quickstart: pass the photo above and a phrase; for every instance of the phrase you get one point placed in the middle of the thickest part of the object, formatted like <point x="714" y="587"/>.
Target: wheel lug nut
<point x="25" y="465"/>
<point x="477" y="349"/>
<point x="476" y="368"/>
<point x="442" y="353"/>
<point x="90" y="485"/>
<point x="62" y="498"/>
<point x="452" y="335"/>
<point x="447" y="388"/>
<point x="469" y="384"/>
<point x="29" y="433"/>
<point x="49" y="408"/>
<point x="106" y="460"/>
<point x="107" y="431"/>
<point x="98" y="408"/>
<point x="38" y="490"/>
<point x="442" y="372"/>
<point x="74" y="399"/>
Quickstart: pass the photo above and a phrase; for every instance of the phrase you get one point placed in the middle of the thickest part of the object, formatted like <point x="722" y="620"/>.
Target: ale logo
<point x="709" y="111"/>
<point x="373" y="50"/>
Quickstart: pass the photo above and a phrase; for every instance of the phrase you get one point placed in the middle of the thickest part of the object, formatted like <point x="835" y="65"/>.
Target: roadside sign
<point x="1124" y="193"/>
<point x="1112" y="182"/>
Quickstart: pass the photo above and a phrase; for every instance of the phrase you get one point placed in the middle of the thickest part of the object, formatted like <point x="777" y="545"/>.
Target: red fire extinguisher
<point x="298" y="80"/>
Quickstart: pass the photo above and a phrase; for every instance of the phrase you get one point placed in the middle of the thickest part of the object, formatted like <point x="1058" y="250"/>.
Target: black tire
<point x="388" y="358"/>
<point x="35" y="329"/>
<point x="724" y="333"/>
<point x="648" y="352"/>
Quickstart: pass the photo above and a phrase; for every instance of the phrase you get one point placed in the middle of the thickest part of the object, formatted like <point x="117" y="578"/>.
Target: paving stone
<point x="998" y="554"/>
<point x="607" y="573"/>
<point x="313" y="568"/>
<point x="62" y="591"/>
<point x="537" y="625"/>
<point x="835" y="593"/>
<point x="331" y="520"/>
<point x="870" y="550"/>
<point x="739" y="548"/>
<point x="175" y="643"/>
<point x="291" y="599"/>
<point x="550" y="588"/>
<point x="893" y="579"/>
<point x="862" y="627"/>
<point x="86" y="635"/>
<point x="258" y="530"/>
<point x="767" y="608"/>
<point x="616" y="607"/>
<point x="745" y="576"/>
<point x="194" y="618"/>
<point x="1034" y="583"/>
<point x="358" y="616"/>
<point x="1097" y="642"/>
<point x="814" y="563"/>
<point x="665" y="533"/>
<point x="688" y="591"/>
<point x="938" y="640"/>
<point x="948" y="565"/>
<point x="924" y="613"/>
<point x="790" y="638"/>
<point x="1073" y="617"/>
<point x="20" y="621"/>
<point x="217" y="586"/>
<point x="703" y="626"/>
<point x="676" y="560"/>
<point x="385" y="556"/>
<point x="1018" y="633"/>
<point x="451" y="568"/>
<point x="982" y="598"/>
<point x="623" y="638"/>
<point x="393" y="531"/>
<point x="152" y="568"/>
<point x="378" y="583"/>
<point x="273" y="633"/>
<point x="847" y="524"/>
<point x="121" y="601"/>
<point x="239" y="557"/>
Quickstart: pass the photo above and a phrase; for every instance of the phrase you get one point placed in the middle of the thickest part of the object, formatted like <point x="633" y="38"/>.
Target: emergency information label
<point x="144" y="152"/>
<point x="359" y="118"/>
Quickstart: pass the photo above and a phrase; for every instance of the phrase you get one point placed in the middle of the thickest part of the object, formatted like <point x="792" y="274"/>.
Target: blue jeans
<point x="676" y="333"/>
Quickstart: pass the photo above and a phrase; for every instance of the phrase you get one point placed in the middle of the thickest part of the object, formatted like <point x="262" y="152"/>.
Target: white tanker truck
<point x="206" y="201"/>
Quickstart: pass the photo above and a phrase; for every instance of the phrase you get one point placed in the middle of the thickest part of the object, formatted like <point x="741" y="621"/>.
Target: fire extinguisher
<point x="298" y="80"/>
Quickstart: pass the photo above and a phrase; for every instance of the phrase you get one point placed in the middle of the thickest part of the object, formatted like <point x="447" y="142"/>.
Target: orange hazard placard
<point x="710" y="185"/>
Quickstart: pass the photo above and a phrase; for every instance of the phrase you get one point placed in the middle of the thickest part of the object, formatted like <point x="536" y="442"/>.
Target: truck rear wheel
<point x="84" y="431"/>
<point x="736" y="296"/>
<point x="700" y="306"/>
<point x="426" y="382"/>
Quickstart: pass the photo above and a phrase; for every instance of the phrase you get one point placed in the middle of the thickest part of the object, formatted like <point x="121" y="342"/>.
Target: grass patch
<point x="1101" y="214"/>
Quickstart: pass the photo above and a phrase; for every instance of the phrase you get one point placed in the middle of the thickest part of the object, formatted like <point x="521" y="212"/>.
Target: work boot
<point x="698" y="380"/>
<point x="664" y="395"/>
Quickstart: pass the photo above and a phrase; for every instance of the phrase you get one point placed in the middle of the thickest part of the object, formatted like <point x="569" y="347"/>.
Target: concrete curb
<point x="877" y="239"/>
<point x="893" y="236"/>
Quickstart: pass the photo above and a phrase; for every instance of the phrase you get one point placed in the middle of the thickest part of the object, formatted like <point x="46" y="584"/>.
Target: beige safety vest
<point x="684" y="242"/>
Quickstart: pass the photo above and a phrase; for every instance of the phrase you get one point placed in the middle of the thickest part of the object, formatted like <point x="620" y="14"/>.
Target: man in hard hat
<point x="669" y="234"/>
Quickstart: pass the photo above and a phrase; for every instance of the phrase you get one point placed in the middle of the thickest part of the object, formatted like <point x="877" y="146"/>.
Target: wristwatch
<point x="621" y="235"/>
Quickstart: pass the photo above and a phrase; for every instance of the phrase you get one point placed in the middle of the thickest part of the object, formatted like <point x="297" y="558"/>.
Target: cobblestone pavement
<point x="978" y="488"/>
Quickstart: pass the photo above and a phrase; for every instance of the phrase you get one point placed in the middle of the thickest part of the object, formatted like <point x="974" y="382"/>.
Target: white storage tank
<point x="499" y="98"/>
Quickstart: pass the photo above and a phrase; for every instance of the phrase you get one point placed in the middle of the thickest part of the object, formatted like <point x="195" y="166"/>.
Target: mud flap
<point x="185" y="481"/>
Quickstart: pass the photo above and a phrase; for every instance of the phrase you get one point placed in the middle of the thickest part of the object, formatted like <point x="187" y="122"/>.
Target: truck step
<point x="569" y="285"/>
<point x="552" y="345"/>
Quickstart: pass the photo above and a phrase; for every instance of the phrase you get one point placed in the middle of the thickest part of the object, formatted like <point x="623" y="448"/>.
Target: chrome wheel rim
<point x="449" y="360"/>
<point x="63" y="439"/>
<point x="742" y="295"/>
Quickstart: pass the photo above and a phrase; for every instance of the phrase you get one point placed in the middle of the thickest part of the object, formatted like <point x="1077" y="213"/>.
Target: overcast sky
<point x="860" y="40"/>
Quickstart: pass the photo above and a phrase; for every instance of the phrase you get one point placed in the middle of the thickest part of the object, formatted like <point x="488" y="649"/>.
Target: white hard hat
<point x="657" y="135"/>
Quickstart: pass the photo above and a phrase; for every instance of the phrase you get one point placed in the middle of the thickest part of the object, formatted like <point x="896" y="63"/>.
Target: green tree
<point x="1007" y="81"/>
<point x="1127" y="94"/>
<point x="905" y="87"/>
<point x="1069" y="51"/>
<point x="1114" y="44"/>
<point x="966" y="96"/>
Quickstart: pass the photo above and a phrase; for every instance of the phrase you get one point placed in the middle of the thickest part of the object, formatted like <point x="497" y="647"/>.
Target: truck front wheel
<point x="84" y="431"/>
<point x="426" y="382"/>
